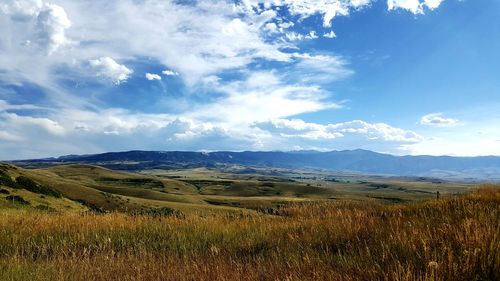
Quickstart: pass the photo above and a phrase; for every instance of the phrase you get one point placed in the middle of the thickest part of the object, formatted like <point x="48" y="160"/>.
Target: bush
<point x="34" y="187"/>
<point x="45" y="208"/>
<point x="6" y="180"/>
<point x="17" y="199"/>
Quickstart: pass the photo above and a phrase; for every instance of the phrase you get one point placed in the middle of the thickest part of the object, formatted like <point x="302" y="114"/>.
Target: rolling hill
<point x="359" y="161"/>
<point x="200" y="190"/>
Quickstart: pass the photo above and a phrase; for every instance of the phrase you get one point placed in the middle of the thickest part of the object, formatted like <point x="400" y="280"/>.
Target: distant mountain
<point x="359" y="161"/>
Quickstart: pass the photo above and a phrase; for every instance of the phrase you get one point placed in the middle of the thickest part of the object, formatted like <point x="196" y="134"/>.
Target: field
<point x="202" y="191"/>
<point x="221" y="225"/>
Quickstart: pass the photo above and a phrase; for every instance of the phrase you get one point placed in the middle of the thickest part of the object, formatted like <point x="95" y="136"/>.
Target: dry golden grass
<point x="450" y="239"/>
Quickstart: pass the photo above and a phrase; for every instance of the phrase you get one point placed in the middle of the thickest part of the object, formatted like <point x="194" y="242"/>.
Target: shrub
<point x="17" y="199"/>
<point x="45" y="208"/>
<point x="6" y="180"/>
<point x="34" y="187"/>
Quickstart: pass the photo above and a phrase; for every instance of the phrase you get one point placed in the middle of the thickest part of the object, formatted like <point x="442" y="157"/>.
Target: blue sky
<point x="395" y="76"/>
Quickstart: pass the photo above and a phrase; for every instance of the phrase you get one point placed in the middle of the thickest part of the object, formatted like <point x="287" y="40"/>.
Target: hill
<point x="18" y="190"/>
<point x="202" y="190"/>
<point x="359" y="161"/>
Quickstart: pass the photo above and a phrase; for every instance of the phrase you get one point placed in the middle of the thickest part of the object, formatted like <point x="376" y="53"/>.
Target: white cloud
<point x="196" y="48"/>
<point x="152" y="76"/>
<point x="108" y="68"/>
<point x="311" y="35"/>
<point x="21" y="9"/>
<point x="5" y="106"/>
<point x="264" y="17"/>
<point x="328" y="9"/>
<point x="298" y="129"/>
<point x="116" y="129"/>
<point x="51" y="26"/>
<point x="112" y="129"/>
<point x="438" y="119"/>
<point x="330" y="35"/>
<point x="319" y="68"/>
<point x="294" y="36"/>
<point x="45" y="23"/>
<point x="433" y="4"/>
<point x="17" y="124"/>
<point x="169" y="72"/>
<point x="377" y="131"/>
<point x="262" y="95"/>
<point x="6" y="136"/>
<point x="271" y="28"/>
<point x="414" y="6"/>
<point x="370" y="131"/>
<point x="228" y="37"/>
<point x="454" y="146"/>
<point x="275" y="102"/>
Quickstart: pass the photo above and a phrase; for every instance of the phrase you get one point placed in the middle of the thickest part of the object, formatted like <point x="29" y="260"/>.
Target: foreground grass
<point x="451" y="239"/>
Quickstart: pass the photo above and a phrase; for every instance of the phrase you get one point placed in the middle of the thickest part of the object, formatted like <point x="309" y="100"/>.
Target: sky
<point x="406" y="77"/>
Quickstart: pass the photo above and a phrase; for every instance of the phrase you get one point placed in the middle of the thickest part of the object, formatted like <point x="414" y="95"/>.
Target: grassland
<point x="205" y="191"/>
<point x="81" y="222"/>
<point x="456" y="238"/>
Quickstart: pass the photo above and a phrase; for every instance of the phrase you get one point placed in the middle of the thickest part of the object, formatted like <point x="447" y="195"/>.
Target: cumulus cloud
<point x="414" y="6"/>
<point x="111" y="129"/>
<point x="51" y="26"/>
<point x="438" y="119"/>
<point x="116" y="129"/>
<point x="152" y="76"/>
<point x="231" y="36"/>
<point x="108" y="68"/>
<point x="47" y="22"/>
<point x="15" y="129"/>
<point x="370" y="131"/>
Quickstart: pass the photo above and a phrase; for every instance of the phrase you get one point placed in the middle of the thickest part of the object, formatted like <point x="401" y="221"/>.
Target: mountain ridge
<point x="359" y="161"/>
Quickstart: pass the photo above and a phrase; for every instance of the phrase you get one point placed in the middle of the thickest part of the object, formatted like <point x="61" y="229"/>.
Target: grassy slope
<point x="35" y="200"/>
<point x="117" y="191"/>
<point x="451" y="239"/>
<point x="203" y="190"/>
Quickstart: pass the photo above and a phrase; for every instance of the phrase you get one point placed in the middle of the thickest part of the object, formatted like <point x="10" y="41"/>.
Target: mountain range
<point x="356" y="161"/>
